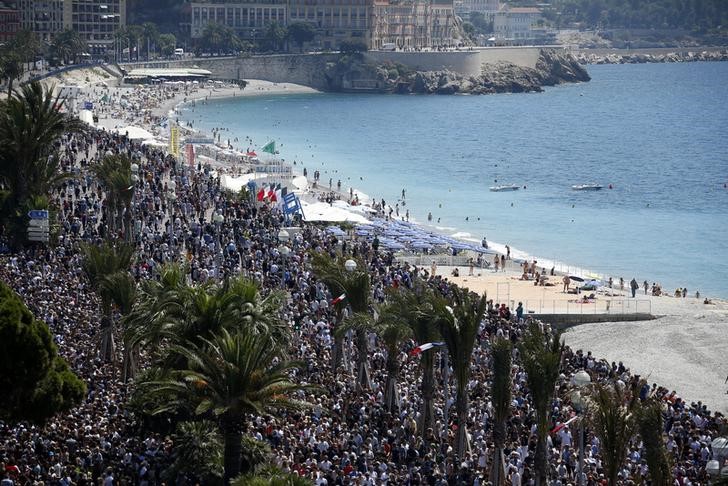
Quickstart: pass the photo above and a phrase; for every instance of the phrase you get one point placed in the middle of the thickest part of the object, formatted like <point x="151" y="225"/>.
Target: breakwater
<point x="630" y="57"/>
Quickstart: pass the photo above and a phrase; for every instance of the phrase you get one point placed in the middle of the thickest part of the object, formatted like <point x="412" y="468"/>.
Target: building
<point x="44" y="17"/>
<point x="95" y="20"/>
<point x="406" y="24"/>
<point x="488" y="8"/>
<point x="335" y="20"/>
<point x="9" y="21"/>
<point x="247" y="19"/>
<point x="516" y="25"/>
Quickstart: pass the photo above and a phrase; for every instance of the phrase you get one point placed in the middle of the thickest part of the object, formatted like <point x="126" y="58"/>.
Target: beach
<point x="680" y="350"/>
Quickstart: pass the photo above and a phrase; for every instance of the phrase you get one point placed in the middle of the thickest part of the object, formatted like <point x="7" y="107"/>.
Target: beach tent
<point x="135" y="133"/>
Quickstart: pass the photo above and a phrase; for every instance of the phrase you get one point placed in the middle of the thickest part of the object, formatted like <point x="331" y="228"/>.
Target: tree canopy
<point x="36" y="382"/>
<point x="695" y="15"/>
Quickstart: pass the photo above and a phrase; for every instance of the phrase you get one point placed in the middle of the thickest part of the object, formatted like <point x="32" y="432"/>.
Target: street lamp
<point x="219" y="219"/>
<point x="350" y="265"/>
<point x="581" y="379"/>
<point x="719" y="447"/>
<point x="284" y="251"/>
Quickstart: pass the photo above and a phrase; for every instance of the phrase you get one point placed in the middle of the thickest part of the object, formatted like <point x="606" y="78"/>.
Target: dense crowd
<point x="348" y="437"/>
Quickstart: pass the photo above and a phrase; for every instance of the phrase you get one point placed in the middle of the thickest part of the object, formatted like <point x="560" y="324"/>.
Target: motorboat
<point x="510" y="187"/>
<point x="587" y="187"/>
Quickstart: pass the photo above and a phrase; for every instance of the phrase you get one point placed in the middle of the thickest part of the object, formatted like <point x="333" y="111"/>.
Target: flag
<point x="261" y="194"/>
<point x="338" y="299"/>
<point x="561" y="426"/>
<point x="271" y="194"/>
<point x="424" y="347"/>
<point x="251" y="153"/>
<point x="269" y="148"/>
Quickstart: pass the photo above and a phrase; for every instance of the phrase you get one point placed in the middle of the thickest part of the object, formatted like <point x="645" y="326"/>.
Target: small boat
<point x="587" y="187"/>
<point x="511" y="187"/>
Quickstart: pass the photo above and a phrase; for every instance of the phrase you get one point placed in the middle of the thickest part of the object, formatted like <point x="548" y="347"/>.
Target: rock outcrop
<point x="552" y="68"/>
<point x="626" y="57"/>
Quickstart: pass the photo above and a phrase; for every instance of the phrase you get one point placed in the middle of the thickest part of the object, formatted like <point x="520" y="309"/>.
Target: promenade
<point x="348" y="436"/>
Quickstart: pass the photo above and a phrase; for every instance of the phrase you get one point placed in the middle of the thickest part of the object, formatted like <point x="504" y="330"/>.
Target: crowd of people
<point x="348" y="437"/>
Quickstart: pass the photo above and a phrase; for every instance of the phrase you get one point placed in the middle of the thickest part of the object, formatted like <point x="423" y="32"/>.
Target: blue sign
<point x="87" y="105"/>
<point x="38" y="214"/>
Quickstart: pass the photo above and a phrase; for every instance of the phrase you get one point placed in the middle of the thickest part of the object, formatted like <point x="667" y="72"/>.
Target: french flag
<point x="424" y="347"/>
<point x="338" y="299"/>
<point x="562" y="425"/>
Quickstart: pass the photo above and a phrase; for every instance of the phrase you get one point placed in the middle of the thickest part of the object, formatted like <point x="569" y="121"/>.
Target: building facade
<point x="95" y="20"/>
<point x="248" y="19"/>
<point x="407" y="24"/>
<point x="516" y="25"/>
<point x="9" y="21"/>
<point x="44" y="17"/>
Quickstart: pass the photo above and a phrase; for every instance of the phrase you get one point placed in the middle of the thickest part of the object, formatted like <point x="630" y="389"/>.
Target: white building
<point x="516" y="25"/>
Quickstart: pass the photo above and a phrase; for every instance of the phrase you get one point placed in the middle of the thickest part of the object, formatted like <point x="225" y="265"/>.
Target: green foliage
<point x="612" y="418"/>
<point x="270" y="476"/>
<point x="197" y="452"/>
<point x="480" y="23"/>
<point x="274" y="36"/>
<point x="115" y="176"/>
<point x="11" y="68"/>
<point x="67" y="46"/>
<point x="541" y="358"/>
<point x="36" y="382"/>
<point x="301" y="32"/>
<point x="167" y="44"/>
<point x="650" y="424"/>
<point x="30" y="125"/>
<point x="219" y="39"/>
<point x="255" y="455"/>
<point x="695" y="15"/>
<point x="352" y="47"/>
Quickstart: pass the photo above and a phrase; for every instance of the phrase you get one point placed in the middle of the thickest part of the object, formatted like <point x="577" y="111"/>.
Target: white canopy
<point x="134" y="133"/>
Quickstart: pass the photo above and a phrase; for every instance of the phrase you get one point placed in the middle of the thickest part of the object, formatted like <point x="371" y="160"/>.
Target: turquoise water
<point x="658" y="133"/>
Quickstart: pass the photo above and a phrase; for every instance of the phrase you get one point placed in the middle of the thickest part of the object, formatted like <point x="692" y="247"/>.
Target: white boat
<point x="587" y="187"/>
<point x="511" y="187"/>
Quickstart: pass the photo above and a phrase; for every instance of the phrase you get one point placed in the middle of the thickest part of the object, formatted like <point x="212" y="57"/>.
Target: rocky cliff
<point x="553" y="67"/>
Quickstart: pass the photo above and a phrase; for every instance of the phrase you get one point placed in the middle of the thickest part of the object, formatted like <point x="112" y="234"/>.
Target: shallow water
<point x="658" y="133"/>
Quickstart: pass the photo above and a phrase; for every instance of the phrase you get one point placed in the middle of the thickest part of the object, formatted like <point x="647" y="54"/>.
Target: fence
<point x="441" y="260"/>
<point x="600" y="305"/>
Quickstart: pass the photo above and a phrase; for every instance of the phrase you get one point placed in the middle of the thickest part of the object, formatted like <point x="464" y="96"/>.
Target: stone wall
<point x="308" y="69"/>
<point x="467" y="63"/>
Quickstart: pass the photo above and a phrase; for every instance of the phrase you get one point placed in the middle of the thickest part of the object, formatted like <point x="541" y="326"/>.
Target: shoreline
<point x="561" y="267"/>
<point x="630" y="344"/>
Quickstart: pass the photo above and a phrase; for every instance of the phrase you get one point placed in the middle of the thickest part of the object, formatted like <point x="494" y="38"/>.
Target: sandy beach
<point x="683" y="349"/>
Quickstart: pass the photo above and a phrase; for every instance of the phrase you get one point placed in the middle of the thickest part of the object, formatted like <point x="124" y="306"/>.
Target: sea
<point x="654" y="135"/>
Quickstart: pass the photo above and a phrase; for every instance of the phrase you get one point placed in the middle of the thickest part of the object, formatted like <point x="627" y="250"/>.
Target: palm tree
<point x="541" y="358"/>
<point x="115" y="175"/>
<point x="99" y="264"/>
<point x="197" y="452"/>
<point x="356" y="285"/>
<point x="11" y="68"/>
<point x="612" y="417"/>
<point x="30" y="125"/>
<point x="121" y="38"/>
<point x="134" y="34"/>
<point x="415" y="309"/>
<point x="151" y="34"/>
<point x="121" y="289"/>
<point x="459" y="330"/>
<point x="501" y="392"/>
<point x="650" y="423"/>
<point x="229" y="376"/>
<point x="171" y="312"/>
